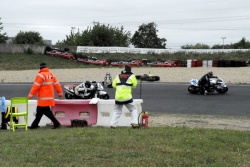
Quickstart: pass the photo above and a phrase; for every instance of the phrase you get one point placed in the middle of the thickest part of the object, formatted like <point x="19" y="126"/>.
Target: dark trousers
<point x="202" y="83"/>
<point x="47" y="112"/>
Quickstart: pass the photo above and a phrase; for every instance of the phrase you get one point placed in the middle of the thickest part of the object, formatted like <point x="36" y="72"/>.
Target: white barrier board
<point x="106" y="109"/>
<point x="104" y="115"/>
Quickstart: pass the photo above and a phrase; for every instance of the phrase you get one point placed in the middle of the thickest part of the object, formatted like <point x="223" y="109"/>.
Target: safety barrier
<point x="216" y="63"/>
<point x="207" y="63"/>
<point x="67" y="110"/>
<point x="99" y="114"/>
<point x="105" y="112"/>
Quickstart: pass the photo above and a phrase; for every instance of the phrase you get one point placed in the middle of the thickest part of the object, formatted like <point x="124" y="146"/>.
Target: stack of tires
<point x="231" y="63"/>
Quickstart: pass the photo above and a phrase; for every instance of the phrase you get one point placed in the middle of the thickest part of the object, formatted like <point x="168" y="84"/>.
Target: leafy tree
<point x="201" y="46"/>
<point x="70" y="39"/>
<point x="196" y="46"/>
<point x="3" y="37"/>
<point x="217" y="46"/>
<point x="221" y="46"/>
<point x="99" y="35"/>
<point x="188" y="46"/>
<point x="146" y="37"/>
<point x="29" y="37"/>
<point x="242" y="44"/>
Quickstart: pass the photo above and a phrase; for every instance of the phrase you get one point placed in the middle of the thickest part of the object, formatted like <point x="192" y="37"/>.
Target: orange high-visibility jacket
<point x="43" y="86"/>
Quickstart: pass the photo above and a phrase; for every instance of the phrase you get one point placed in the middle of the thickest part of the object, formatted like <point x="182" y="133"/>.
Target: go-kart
<point x="148" y="77"/>
<point x="61" y="53"/>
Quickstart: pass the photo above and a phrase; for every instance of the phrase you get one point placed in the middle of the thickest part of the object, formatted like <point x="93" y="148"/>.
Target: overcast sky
<point x="181" y="22"/>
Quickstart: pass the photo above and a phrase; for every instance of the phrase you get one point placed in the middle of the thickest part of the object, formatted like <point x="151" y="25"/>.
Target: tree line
<point x="106" y="35"/>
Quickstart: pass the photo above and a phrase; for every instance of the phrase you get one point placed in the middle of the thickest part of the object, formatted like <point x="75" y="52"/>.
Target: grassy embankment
<point x="31" y="61"/>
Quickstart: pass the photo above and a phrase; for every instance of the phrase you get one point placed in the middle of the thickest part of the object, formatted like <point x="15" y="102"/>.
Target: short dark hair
<point x="43" y="65"/>
<point x="128" y="68"/>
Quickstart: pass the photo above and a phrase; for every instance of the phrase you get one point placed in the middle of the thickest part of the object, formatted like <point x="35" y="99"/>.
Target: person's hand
<point x="60" y="96"/>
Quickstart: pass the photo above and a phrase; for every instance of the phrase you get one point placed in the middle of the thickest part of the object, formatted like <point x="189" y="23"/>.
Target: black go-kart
<point x="148" y="77"/>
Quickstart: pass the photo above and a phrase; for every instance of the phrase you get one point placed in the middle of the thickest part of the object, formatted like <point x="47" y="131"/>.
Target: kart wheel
<point x="68" y="96"/>
<point x="192" y="89"/>
<point x="157" y="78"/>
<point x="138" y="76"/>
<point x="47" y="49"/>
<point x="150" y="79"/>
<point x="110" y="86"/>
<point x="224" y="90"/>
<point x="105" y="97"/>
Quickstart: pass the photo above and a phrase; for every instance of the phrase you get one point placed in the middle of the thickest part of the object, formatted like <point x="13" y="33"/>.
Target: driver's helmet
<point x="107" y="73"/>
<point x="87" y="84"/>
<point x="210" y="73"/>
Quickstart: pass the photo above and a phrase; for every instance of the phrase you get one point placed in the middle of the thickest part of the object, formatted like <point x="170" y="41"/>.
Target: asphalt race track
<point x="170" y="98"/>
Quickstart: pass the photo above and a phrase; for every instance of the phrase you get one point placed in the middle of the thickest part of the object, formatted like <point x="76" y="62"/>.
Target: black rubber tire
<point x="105" y="97"/>
<point x="223" y="91"/>
<point x="68" y="96"/>
<point x="47" y="49"/>
<point x="192" y="90"/>
<point x="157" y="78"/>
<point x="110" y="86"/>
<point x="149" y="79"/>
<point x="138" y="76"/>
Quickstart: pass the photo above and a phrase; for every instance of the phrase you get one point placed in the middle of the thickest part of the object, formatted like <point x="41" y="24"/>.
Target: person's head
<point x="43" y="65"/>
<point x="210" y="73"/>
<point x="128" y="69"/>
<point x="87" y="84"/>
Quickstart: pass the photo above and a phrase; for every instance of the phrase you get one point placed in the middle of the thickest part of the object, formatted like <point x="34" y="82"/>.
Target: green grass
<point x="29" y="62"/>
<point x="99" y="146"/>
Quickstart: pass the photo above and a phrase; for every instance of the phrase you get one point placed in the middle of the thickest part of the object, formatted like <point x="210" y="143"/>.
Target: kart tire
<point x="192" y="90"/>
<point x="150" y="79"/>
<point x="105" y="97"/>
<point x="157" y="78"/>
<point x="138" y="76"/>
<point x="47" y="49"/>
<point x="110" y="86"/>
<point x="68" y="96"/>
<point x="224" y="90"/>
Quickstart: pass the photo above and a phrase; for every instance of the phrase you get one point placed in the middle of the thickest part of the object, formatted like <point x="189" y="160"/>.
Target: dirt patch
<point x="229" y="75"/>
<point x="200" y="121"/>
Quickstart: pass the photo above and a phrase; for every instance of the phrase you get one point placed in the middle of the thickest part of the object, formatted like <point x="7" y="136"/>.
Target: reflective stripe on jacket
<point x="123" y="84"/>
<point x="43" y="86"/>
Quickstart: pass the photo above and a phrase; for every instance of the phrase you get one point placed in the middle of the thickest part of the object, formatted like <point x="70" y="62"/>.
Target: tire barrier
<point x="196" y="63"/>
<point x="207" y="63"/>
<point x="216" y="63"/>
<point x="231" y="63"/>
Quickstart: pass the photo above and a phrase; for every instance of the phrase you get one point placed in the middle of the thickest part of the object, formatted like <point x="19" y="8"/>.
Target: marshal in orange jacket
<point x="43" y="86"/>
